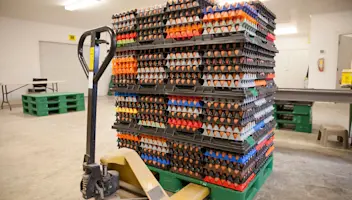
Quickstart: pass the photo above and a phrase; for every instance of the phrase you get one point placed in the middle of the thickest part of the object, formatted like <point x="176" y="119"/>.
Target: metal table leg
<point x="3" y="96"/>
<point x="53" y="87"/>
<point x="57" y="87"/>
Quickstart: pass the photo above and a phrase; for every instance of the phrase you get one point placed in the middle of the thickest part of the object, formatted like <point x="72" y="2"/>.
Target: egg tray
<point x="151" y="12"/>
<point x="126" y="118"/>
<point x="121" y="143"/>
<point x="187" y="116"/>
<point x="234" y="120"/>
<point x="225" y="76"/>
<point x="125" y="16"/>
<point x="125" y="104"/>
<point x="184" y="126"/>
<point x="147" y="23"/>
<point x="200" y="91"/>
<point x="156" y="106"/>
<point x="125" y="19"/>
<point x="263" y="10"/>
<point x="236" y="133"/>
<point x="261" y="160"/>
<point x="226" y="30"/>
<point x="193" y="101"/>
<point x="154" y="150"/>
<point x="186" y="169"/>
<point x="123" y="83"/>
<point x="152" y="79"/>
<point x="147" y="112"/>
<point x="228" y="171"/>
<point x="237" y="105"/>
<point x="156" y="161"/>
<point x="240" y="147"/>
<point x="239" y="115"/>
<point x="184" y="62"/>
<point x="196" y="159"/>
<point x="128" y="135"/>
<point x="241" y="182"/>
<point x="125" y="98"/>
<point x="238" y="39"/>
<point x="268" y="143"/>
<point x="186" y="80"/>
<point x="152" y="120"/>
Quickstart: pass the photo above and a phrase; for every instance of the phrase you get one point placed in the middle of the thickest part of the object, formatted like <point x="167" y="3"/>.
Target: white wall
<point x="19" y="51"/>
<point x="291" y="61"/>
<point x="325" y="31"/>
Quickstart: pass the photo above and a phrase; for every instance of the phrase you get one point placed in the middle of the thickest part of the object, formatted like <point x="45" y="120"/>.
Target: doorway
<point x="344" y="58"/>
<point x="58" y="61"/>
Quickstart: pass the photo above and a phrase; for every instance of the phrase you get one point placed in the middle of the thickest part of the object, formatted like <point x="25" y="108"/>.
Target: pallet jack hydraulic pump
<point x="125" y="168"/>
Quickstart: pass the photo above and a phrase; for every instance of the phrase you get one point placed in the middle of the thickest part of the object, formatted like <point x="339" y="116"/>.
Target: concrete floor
<point x="41" y="158"/>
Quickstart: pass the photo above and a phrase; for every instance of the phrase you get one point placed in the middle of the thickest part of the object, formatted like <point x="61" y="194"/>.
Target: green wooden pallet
<point x="52" y="97"/>
<point x="283" y="124"/>
<point x="297" y="109"/>
<point x="52" y="103"/>
<point x="174" y="182"/>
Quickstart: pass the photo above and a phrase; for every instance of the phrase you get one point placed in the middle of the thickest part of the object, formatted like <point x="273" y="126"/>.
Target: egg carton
<point x="156" y="161"/>
<point x="154" y="140"/>
<point x="223" y="76"/>
<point x="234" y="132"/>
<point x="159" y="99"/>
<point x="152" y="147"/>
<point x="151" y="70"/>
<point x="185" y="101"/>
<point x="151" y="124"/>
<point x="185" y="109"/>
<point x="184" y="62"/>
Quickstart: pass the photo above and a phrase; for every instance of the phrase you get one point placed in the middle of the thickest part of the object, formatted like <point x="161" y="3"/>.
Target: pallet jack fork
<point x="125" y="165"/>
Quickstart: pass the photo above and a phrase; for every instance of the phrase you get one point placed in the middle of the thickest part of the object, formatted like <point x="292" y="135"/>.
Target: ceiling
<point x="52" y="11"/>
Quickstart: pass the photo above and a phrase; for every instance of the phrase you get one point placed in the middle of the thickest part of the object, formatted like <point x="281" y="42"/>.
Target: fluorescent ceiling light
<point x="80" y="4"/>
<point x="286" y="30"/>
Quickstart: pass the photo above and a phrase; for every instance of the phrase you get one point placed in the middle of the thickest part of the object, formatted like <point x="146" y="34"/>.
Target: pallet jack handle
<point x="94" y="73"/>
<point x="95" y="40"/>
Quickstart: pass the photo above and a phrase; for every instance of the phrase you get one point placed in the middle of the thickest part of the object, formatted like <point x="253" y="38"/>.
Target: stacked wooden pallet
<point x="295" y="116"/>
<point x="44" y="104"/>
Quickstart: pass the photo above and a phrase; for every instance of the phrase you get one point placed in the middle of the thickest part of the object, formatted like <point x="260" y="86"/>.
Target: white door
<point x="291" y="68"/>
<point x="59" y="61"/>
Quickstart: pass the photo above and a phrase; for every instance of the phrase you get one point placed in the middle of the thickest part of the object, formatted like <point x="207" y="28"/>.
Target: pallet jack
<point x="124" y="169"/>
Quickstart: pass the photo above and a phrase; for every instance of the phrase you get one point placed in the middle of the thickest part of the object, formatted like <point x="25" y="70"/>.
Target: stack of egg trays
<point x="155" y="151"/>
<point x="128" y="140"/>
<point x="236" y="65"/>
<point x="184" y="18"/>
<point x="230" y="18"/>
<point x="236" y="120"/>
<point x="150" y="24"/>
<point x="126" y="108"/>
<point x="124" y="25"/>
<point x="233" y="170"/>
<point x="184" y="66"/>
<point x="266" y="148"/>
<point x="185" y="114"/>
<point x="124" y="68"/>
<point x="151" y="67"/>
<point x="152" y="111"/>
<point x="186" y="159"/>
<point x="266" y="19"/>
